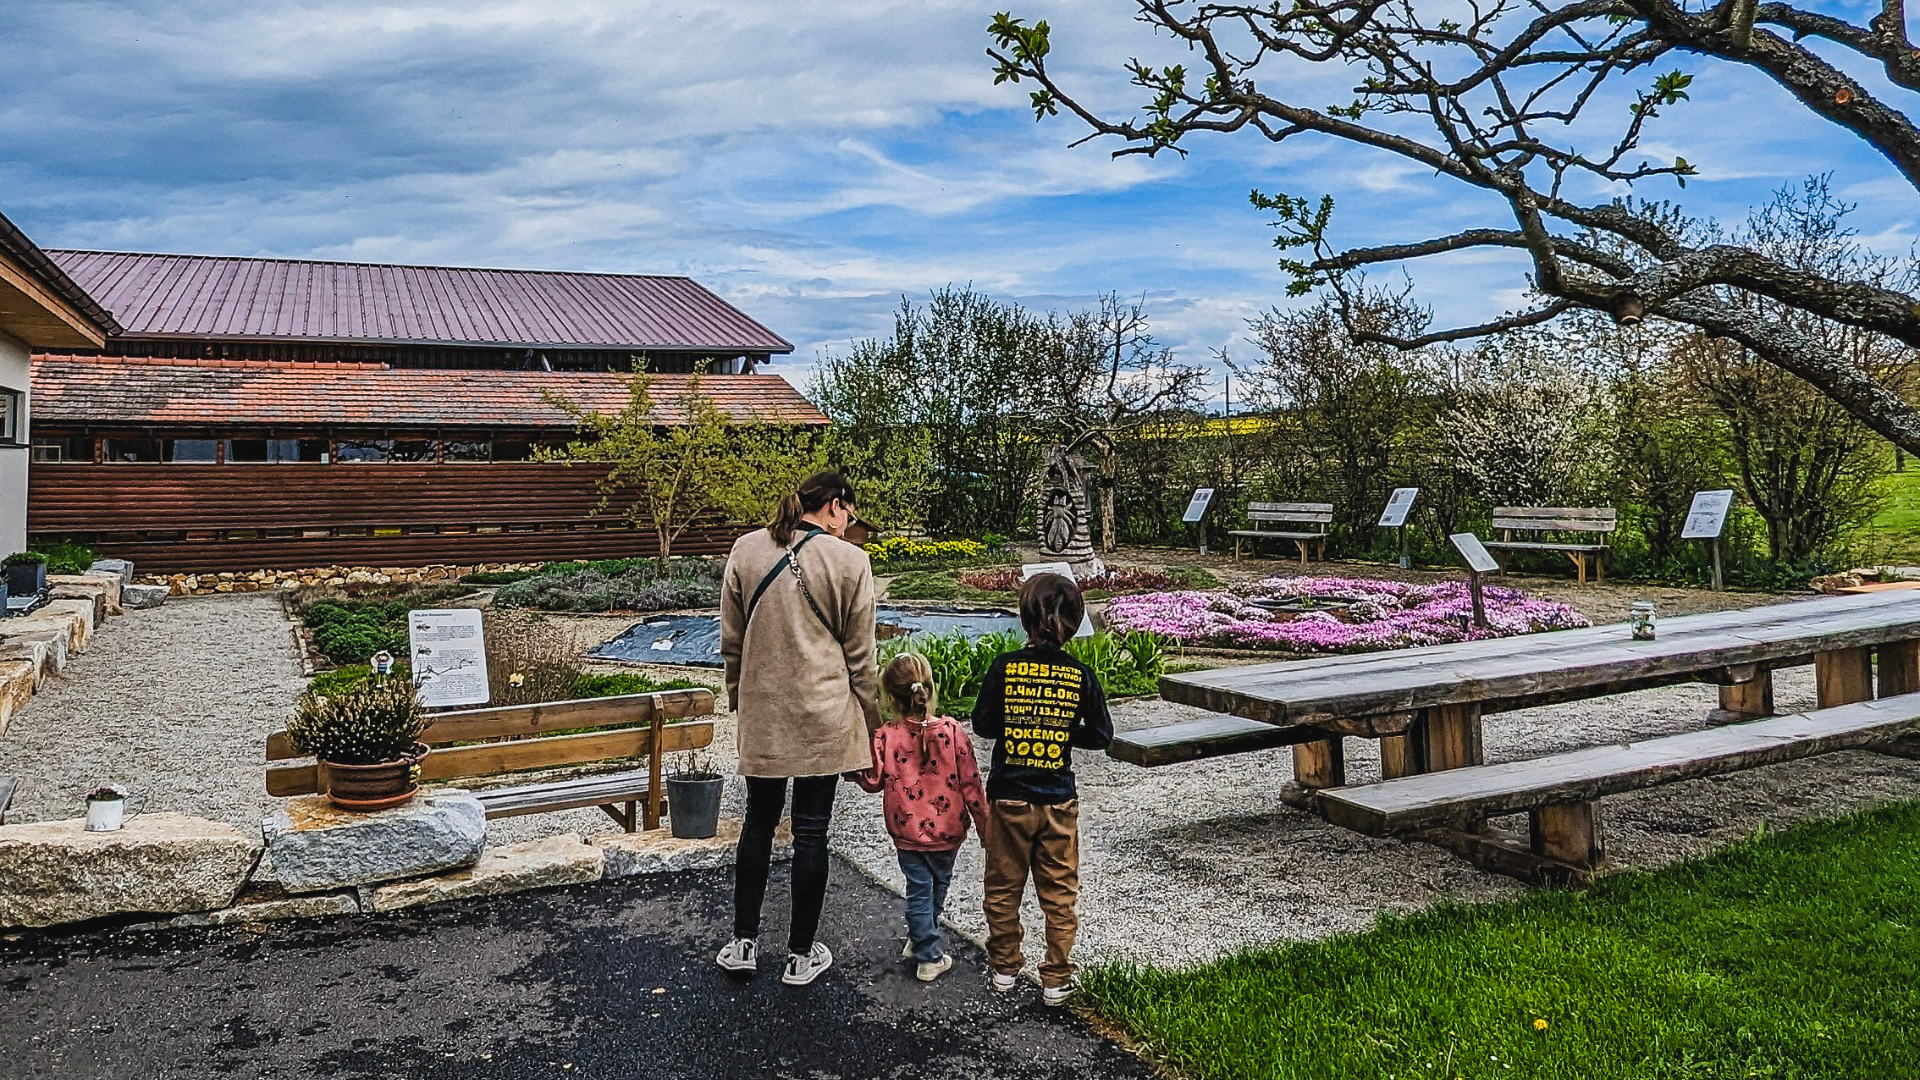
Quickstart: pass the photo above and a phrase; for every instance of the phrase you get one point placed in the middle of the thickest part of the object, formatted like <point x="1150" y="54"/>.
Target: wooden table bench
<point x="1262" y="513"/>
<point x="1566" y="841"/>
<point x="498" y="742"/>
<point x="1425" y="705"/>
<point x="1558" y="519"/>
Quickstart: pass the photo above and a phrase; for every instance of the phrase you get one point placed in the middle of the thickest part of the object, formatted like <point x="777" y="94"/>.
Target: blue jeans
<point x="928" y="875"/>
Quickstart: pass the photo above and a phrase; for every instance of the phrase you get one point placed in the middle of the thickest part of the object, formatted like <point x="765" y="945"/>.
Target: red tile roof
<point x="102" y="391"/>
<point x="200" y="296"/>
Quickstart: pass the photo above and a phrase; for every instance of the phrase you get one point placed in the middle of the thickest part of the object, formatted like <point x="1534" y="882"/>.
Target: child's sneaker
<point x="740" y="954"/>
<point x="1003" y="983"/>
<point x="933" y="969"/>
<point x="1056" y="995"/>
<point x="802" y="970"/>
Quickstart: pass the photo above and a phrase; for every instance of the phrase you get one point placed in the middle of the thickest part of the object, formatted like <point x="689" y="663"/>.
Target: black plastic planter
<point x="27" y="579"/>
<point x="693" y="807"/>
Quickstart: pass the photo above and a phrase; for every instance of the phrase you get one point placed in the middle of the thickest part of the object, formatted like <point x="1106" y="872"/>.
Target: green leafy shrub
<point x="898" y="554"/>
<point x="613" y="684"/>
<point x="617" y="585"/>
<point x="66" y="555"/>
<point x="377" y="721"/>
<point x="1127" y="665"/>
<point x="24" y="558"/>
<point x="349" y="624"/>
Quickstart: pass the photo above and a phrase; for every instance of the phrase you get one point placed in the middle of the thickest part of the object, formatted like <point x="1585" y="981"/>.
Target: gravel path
<point x="175" y="703"/>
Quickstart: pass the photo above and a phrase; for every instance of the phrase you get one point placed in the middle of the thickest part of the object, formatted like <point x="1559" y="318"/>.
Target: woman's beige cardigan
<point x="803" y="690"/>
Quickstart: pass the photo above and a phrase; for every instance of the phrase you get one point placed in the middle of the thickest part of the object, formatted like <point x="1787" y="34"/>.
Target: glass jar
<point x="1642" y="620"/>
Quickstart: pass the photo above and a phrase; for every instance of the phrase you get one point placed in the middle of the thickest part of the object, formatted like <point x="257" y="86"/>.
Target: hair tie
<point x="918" y="685"/>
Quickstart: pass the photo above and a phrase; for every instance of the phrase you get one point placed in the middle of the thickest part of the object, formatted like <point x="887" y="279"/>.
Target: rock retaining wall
<point x="268" y="580"/>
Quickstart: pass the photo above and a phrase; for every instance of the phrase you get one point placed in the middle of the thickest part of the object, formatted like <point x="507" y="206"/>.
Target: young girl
<point x="1039" y="705"/>
<point x="925" y="765"/>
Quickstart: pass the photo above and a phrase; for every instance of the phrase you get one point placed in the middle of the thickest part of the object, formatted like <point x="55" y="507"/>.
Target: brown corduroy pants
<point x="1043" y="841"/>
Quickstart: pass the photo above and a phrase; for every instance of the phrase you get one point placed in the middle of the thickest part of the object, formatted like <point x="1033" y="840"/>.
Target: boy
<point x="1038" y="704"/>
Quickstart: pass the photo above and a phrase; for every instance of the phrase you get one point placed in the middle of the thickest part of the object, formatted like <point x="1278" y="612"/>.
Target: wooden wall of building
<point x="187" y="518"/>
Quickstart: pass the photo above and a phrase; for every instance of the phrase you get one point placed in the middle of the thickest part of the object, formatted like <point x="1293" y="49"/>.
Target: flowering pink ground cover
<point x="1382" y="615"/>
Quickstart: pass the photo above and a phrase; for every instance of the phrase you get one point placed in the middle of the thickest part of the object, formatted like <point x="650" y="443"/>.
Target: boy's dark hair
<point x="1051" y="609"/>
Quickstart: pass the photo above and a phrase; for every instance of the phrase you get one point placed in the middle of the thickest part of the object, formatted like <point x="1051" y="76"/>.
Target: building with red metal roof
<point x="278" y="413"/>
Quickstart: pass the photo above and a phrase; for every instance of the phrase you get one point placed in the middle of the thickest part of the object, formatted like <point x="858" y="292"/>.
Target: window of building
<point x="466" y="451"/>
<point x="366" y="449"/>
<point x="276" y="451"/>
<point x="193" y="451"/>
<point x="133" y="450"/>
<point x="54" y="448"/>
<point x="12" y="417"/>
<point x="512" y="449"/>
<point x="415" y="450"/>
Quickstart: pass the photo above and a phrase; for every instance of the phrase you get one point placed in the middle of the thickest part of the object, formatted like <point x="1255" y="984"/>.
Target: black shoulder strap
<point x="774" y="574"/>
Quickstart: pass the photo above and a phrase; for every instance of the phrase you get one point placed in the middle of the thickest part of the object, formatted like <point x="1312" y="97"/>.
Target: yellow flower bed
<point x="907" y="547"/>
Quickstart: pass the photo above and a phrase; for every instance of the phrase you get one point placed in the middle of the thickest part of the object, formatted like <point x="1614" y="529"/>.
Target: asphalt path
<point x="610" y="980"/>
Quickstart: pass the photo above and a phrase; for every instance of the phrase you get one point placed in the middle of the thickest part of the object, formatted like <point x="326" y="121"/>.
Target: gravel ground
<point x="1179" y="864"/>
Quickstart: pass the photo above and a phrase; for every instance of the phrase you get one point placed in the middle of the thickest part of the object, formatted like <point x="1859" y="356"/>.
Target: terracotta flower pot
<point x="374" y="787"/>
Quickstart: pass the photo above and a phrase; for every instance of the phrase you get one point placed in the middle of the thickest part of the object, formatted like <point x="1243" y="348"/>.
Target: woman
<point x="796" y="630"/>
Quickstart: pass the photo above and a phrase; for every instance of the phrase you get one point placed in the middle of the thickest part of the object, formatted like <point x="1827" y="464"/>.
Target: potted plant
<point x="106" y="808"/>
<point x="26" y="573"/>
<point x="367" y="738"/>
<point x="693" y="797"/>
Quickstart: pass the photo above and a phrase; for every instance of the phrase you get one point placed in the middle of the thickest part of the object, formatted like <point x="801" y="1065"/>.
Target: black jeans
<point x="812" y="809"/>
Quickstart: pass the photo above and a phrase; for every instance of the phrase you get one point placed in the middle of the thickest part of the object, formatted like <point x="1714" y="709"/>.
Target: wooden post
<point x="1453" y="737"/>
<point x="1569" y="833"/>
<point x="657" y="736"/>
<point x="1320" y="764"/>
<point x="1716" y="564"/>
<point x="1403" y="755"/>
<point x="1405" y="563"/>
<point x="1479" y="598"/>
<point x="1203" y="535"/>
<point x="1899" y="665"/>
<point x="1843" y="676"/>
<point x="1748" y="700"/>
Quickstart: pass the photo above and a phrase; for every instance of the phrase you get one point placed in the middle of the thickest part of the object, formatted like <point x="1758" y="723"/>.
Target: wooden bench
<point x="480" y="743"/>
<point x="1212" y="736"/>
<point x="1261" y="514"/>
<point x="1559" y="791"/>
<point x="1557" y="519"/>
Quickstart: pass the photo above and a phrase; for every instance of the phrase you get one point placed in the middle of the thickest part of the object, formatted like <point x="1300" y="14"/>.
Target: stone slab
<point x="536" y="864"/>
<point x="55" y="641"/>
<point x="37" y="653"/>
<point x="70" y="617"/>
<point x="311" y="906"/>
<point x="109" y="585"/>
<point x="55" y="872"/>
<point x="17" y="682"/>
<point x="658" y="852"/>
<point x="142" y="597"/>
<point x="120" y="568"/>
<point x="314" y="846"/>
<point x="90" y="593"/>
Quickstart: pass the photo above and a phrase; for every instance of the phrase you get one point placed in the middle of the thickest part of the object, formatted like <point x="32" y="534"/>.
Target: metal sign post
<point x="1706" y="520"/>
<point x="1196" y="513"/>
<point x="1399" y="504"/>
<point x="1479" y="561"/>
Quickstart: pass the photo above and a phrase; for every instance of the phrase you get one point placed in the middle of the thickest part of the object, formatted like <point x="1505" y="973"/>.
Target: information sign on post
<point x="1197" y="513"/>
<point x="1066" y="571"/>
<point x="1479" y="561"/>
<point x="1706" y="520"/>
<point x="1399" y="505"/>
<point x="449" y="650"/>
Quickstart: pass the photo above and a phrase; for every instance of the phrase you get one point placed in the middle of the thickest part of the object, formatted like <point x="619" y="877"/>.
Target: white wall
<point x="14" y="372"/>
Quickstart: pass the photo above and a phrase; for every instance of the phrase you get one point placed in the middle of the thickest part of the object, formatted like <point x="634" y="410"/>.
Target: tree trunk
<point x="1108" y="473"/>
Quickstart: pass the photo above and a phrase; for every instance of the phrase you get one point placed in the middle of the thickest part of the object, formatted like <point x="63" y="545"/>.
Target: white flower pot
<point x="105" y="815"/>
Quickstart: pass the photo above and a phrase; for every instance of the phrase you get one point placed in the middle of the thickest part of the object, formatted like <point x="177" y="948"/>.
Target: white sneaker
<point x="932" y="970"/>
<point x="802" y="970"/>
<point x="1056" y="995"/>
<point x="1004" y="983"/>
<point x="740" y="954"/>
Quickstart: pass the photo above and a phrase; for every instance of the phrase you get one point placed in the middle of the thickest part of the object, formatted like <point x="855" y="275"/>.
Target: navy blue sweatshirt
<point x="1035" y="704"/>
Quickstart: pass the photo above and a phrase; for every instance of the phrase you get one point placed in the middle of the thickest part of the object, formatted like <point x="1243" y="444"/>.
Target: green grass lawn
<point x="1793" y="955"/>
<point x="1894" y="535"/>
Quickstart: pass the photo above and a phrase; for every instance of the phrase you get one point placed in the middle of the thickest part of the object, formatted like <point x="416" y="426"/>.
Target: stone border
<point x="245" y="581"/>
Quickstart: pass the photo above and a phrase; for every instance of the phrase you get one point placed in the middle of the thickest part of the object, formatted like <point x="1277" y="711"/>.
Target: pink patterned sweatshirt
<point x="928" y="805"/>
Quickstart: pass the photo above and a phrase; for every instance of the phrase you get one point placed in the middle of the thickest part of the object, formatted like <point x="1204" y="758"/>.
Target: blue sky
<point x="810" y="161"/>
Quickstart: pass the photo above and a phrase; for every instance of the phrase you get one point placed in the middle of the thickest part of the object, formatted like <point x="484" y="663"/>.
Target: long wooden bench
<point x="1262" y="514"/>
<point x="503" y="741"/>
<point x="1192" y="740"/>
<point x="1559" y="792"/>
<point x="1558" y="519"/>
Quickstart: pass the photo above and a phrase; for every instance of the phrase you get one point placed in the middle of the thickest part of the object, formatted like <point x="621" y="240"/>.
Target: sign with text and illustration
<point x="1707" y="517"/>
<point x="1197" y="507"/>
<point x="449" y="648"/>
<point x="1042" y="699"/>
<point x="1478" y="557"/>
<point x="1399" y="504"/>
<point x="1065" y="571"/>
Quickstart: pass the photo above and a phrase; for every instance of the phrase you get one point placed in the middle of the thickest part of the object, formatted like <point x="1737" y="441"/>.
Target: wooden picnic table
<point x="1425" y="704"/>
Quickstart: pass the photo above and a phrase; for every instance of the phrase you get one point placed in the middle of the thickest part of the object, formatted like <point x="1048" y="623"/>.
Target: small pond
<point x="694" y="640"/>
